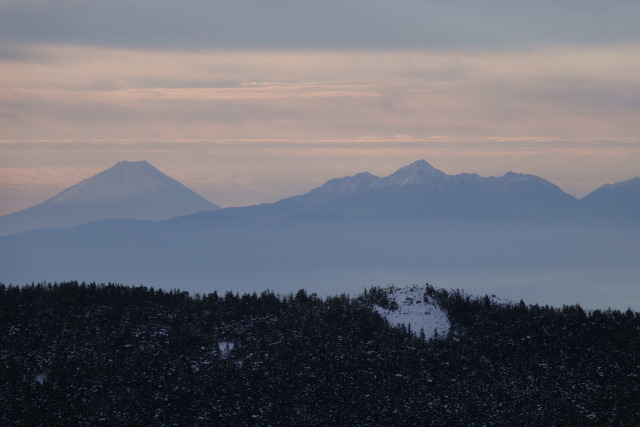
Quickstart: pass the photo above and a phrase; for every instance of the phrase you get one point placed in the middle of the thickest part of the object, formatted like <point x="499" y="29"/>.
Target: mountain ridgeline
<point x="137" y="190"/>
<point x="517" y="235"/>
<point x="421" y="192"/>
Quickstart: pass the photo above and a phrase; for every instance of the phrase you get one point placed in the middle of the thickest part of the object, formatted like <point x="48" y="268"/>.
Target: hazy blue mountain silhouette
<point x="420" y="191"/>
<point x="419" y="224"/>
<point x="619" y="201"/>
<point x="134" y="190"/>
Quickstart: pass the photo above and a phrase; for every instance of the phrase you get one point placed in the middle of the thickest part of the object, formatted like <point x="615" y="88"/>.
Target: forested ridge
<point x="88" y="354"/>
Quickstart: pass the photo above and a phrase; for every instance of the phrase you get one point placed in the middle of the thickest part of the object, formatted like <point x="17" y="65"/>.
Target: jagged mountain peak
<point x="526" y="179"/>
<point x="419" y="167"/>
<point x="623" y="196"/>
<point x="420" y="187"/>
<point x="338" y="187"/>
<point x="419" y="164"/>
<point x="628" y="187"/>
<point x="417" y="173"/>
<point x="348" y="184"/>
<point x="516" y="176"/>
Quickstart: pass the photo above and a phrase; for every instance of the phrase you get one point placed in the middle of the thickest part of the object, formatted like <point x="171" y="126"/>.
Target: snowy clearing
<point x="41" y="377"/>
<point x="225" y="347"/>
<point x="415" y="312"/>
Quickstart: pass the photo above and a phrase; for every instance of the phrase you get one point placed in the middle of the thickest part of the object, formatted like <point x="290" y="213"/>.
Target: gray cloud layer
<point x="331" y="24"/>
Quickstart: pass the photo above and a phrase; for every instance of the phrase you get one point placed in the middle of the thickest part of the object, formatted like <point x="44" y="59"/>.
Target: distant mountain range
<point x="137" y="190"/>
<point x="516" y="235"/>
<point x="421" y="192"/>
<point x="132" y="190"/>
<point x="614" y="200"/>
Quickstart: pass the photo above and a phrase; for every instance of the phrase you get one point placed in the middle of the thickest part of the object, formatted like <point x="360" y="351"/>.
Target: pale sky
<point x="248" y="101"/>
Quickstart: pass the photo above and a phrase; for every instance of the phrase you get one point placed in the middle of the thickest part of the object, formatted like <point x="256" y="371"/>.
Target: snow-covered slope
<point x="616" y="200"/>
<point x="415" y="312"/>
<point x="132" y="190"/>
<point x="340" y="187"/>
<point x="628" y="189"/>
<point x="422" y="190"/>
<point x="125" y="181"/>
<point x="417" y="173"/>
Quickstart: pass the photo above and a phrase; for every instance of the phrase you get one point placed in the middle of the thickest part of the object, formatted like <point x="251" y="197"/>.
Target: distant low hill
<point x="133" y="190"/>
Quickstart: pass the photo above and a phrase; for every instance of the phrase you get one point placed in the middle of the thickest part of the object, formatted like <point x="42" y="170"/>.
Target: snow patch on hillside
<point x="225" y="347"/>
<point x="415" y="312"/>
<point x="41" y="377"/>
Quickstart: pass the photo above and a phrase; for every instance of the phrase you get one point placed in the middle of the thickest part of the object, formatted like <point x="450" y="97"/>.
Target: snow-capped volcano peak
<point x="134" y="190"/>
<point x="123" y="181"/>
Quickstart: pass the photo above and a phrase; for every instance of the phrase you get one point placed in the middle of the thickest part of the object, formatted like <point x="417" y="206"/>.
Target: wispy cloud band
<point x="76" y="92"/>
<point x="250" y="126"/>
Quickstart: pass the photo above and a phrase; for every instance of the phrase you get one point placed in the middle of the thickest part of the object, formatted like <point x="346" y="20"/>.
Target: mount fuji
<point x="127" y="190"/>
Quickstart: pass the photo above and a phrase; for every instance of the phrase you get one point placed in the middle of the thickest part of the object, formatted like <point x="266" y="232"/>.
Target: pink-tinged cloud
<point x="247" y="126"/>
<point x="64" y="92"/>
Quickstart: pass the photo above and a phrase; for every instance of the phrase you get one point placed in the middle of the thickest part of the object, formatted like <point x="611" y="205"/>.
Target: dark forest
<point x="89" y="354"/>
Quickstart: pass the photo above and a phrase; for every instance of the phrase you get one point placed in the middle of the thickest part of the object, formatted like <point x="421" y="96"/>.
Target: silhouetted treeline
<point x="87" y="354"/>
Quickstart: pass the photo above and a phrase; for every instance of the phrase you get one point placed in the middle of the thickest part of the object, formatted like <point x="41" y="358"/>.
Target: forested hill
<point x="76" y="354"/>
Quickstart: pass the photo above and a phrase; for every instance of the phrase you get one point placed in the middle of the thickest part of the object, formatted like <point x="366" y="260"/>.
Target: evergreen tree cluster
<point x="87" y="354"/>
